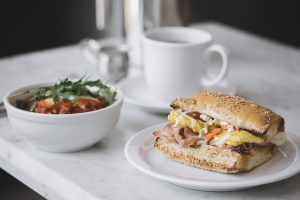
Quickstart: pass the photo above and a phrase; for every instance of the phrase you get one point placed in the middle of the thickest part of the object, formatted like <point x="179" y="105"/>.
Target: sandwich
<point x="218" y="132"/>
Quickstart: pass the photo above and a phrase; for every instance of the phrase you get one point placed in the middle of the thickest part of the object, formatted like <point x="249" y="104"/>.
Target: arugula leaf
<point x="72" y="90"/>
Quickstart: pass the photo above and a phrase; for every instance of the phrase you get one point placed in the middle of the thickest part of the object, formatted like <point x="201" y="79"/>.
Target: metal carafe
<point x="128" y="19"/>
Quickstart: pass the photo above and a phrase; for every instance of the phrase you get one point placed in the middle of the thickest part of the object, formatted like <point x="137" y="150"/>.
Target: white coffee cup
<point x="176" y="59"/>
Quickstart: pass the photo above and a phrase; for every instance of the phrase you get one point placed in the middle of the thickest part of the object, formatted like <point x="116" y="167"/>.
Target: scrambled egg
<point x="239" y="137"/>
<point x="235" y="138"/>
<point x="179" y="118"/>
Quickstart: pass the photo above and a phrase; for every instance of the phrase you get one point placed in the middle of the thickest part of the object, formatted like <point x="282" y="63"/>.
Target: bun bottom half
<point x="214" y="158"/>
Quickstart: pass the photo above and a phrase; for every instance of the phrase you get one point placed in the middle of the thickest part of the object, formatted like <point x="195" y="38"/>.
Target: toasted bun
<point x="214" y="158"/>
<point x="234" y="110"/>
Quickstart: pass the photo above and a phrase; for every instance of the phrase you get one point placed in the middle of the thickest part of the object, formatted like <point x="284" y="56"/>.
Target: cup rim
<point x="146" y="36"/>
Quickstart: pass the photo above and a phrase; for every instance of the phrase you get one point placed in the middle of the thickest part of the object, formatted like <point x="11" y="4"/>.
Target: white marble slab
<point x="262" y="70"/>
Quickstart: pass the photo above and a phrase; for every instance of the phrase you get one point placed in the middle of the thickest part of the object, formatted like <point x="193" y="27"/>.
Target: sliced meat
<point x="185" y="137"/>
<point x="166" y="133"/>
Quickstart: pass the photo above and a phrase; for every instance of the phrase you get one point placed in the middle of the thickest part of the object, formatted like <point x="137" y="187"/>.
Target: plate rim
<point x="291" y="170"/>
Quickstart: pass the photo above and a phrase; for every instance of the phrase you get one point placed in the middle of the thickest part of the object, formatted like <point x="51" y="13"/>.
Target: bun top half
<point x="234" y="110"/>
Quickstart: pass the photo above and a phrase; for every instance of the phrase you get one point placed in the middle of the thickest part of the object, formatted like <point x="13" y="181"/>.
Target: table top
<point x="262" y="70"/>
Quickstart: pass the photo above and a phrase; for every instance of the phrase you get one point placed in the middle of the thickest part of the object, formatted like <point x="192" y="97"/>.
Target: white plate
<point x="136" y="93"/>
<point x="140" y="153"/>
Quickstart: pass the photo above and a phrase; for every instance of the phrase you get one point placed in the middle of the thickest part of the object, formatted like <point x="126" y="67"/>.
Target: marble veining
<point x="265" y="71"/>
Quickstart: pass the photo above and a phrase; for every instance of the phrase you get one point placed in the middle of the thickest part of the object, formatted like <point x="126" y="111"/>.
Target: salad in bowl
<point x="65" y="116"/>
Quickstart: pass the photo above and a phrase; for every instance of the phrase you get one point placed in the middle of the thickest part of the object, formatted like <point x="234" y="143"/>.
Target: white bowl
<point x="62" y="132"/>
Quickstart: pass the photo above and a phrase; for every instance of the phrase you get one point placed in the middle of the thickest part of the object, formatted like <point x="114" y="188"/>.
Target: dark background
<point x="40" y="24"/>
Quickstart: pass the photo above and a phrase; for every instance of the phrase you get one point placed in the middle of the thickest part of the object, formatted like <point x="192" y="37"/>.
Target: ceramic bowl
<point x="63" y="132"/>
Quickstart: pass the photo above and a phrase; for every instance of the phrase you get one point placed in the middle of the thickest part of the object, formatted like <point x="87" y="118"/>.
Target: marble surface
<point x="262" y="70"/>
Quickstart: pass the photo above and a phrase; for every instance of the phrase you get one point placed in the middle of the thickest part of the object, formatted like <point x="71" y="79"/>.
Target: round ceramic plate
<point x="136" y="93"/>
<point x="140" y="153"/>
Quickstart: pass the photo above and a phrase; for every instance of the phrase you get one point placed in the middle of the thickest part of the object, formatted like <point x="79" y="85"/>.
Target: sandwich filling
<point x="192" y="129"/>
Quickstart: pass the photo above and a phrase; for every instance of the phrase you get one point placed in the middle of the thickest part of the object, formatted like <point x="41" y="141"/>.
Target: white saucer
<point x="136" y="93"/>
<point x="140" y="153"/>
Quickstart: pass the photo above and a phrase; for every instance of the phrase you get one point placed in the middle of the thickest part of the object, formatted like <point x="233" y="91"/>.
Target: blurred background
<point x="33" y="25"/>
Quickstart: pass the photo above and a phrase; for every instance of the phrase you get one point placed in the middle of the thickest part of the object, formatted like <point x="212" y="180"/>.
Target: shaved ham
<point x="165" y="133"/>
<point x="185" y="137"/>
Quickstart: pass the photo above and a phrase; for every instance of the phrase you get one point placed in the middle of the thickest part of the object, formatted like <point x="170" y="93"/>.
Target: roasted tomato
<point x="84" y="104"/>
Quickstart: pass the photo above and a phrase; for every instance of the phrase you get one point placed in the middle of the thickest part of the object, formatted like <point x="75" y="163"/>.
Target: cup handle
<point x="224" y="53"/>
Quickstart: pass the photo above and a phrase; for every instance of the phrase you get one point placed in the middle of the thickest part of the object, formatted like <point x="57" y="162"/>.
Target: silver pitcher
<point x="128" y="19"/>
<point x="109" y="58"/>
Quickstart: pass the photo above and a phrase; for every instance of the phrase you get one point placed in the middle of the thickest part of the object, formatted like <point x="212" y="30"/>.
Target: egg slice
<point x="239" y="137"/>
